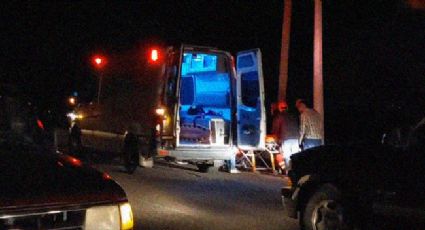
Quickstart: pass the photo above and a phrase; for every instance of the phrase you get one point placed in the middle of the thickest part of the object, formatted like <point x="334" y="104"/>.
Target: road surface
<point x="171" y="197"/>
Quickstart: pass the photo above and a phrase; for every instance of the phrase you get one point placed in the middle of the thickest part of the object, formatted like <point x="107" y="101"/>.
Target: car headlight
<point x="126" y="216"/>
<point x="111" y="217"/>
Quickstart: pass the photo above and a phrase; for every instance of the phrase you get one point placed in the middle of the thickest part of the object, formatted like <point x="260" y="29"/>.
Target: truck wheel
<point x="131" y="153"/>
<point x="204" y="168"/>
<point x="324" y="210"/>
<point x="131" y="160"/>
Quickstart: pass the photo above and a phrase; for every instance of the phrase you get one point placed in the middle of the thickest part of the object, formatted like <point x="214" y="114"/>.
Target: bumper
<point x="289" y="204"/>
<point x="212" y="153"/>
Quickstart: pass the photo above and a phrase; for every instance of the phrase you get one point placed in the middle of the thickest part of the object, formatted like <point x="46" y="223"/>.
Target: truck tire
<point x="204" y="168"/>
<point x="324" y="210"/>
<point x="131" y="161"/>
<point x="131" y="153"/>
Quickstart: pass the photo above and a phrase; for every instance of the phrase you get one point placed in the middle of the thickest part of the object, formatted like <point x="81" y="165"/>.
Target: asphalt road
<point x="173" y="197"/>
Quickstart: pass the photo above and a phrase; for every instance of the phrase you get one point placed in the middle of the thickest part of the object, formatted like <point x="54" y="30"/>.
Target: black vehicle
<point x="338" y="187"/>
<point x="43" y="189"/>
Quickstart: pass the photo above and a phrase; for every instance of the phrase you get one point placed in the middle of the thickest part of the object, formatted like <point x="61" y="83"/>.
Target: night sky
<point x="374" y="51"/>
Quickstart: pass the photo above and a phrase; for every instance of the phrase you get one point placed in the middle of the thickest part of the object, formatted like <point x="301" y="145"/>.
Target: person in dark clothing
<point x="285" y="129"/>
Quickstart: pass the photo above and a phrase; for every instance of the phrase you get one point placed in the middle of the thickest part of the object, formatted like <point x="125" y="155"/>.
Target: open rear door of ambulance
<point x="251" y="115"/>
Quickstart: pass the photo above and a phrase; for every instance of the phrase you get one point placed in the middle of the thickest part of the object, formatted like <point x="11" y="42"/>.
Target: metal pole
<point x="284" y="51"/>
<point x="318" y="59"/>
<point x="100" y="88"/>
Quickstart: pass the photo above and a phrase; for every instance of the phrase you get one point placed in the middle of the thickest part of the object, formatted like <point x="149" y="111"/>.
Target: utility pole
<point x="100" y="76"/>
<point x="318" y="59"/>
<point x="99" y="63"/>
<point x="284" y="50"/>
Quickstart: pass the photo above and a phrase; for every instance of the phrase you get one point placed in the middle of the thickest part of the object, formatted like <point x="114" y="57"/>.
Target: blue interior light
<point x="195" y="63"/>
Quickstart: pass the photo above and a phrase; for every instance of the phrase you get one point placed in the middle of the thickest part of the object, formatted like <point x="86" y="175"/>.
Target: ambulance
<point x="211" y="105"/>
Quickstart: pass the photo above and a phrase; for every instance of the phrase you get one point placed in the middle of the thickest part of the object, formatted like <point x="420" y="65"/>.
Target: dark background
<point x="374" y="59"/>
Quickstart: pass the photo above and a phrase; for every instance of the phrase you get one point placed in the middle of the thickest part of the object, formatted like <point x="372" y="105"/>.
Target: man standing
<point x="285" y="129"/>
<point x="311" y="130"/>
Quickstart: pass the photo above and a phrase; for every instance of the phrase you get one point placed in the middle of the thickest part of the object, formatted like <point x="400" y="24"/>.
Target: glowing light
<point x="98" y="61"/>
<point x="106" y="176"/>
<point x="73" y="161"/>
<point x="126" y="216"/>
<point x="72" y="101"/>
<point x="73" y="116"/>
<point x="160" y="111"/>
<point x="270" y="138"/>
<point x="154" y="55"/>
<point x="199" y="62"/>
<point x="76" y="161"/>
<point x="40" y="124"/>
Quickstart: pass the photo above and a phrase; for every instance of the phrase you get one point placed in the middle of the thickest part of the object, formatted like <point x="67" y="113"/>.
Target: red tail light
<point x="40" y="124"/>
<point x="106" y="176"/>
<point x="74" y="161"/>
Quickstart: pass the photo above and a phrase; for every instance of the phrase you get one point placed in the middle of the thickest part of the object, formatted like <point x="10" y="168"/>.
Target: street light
<point x="154" y="55"/>
<point x="99" y="63"/>
<point x="72" y="101"/>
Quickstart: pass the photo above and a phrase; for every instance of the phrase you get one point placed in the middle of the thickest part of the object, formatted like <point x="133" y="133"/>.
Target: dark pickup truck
<point x="44" y="189"/>
<point x="345" y="187"/>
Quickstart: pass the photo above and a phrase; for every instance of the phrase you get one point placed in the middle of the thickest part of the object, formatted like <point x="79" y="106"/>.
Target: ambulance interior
<point x="205" y="99"/>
